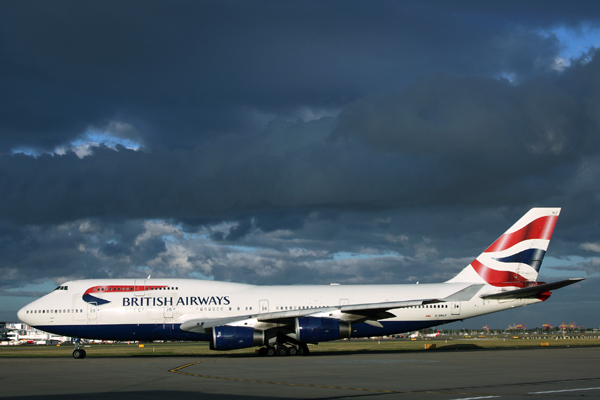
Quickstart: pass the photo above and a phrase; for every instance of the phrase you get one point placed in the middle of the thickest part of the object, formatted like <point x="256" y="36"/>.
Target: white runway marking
<point x="565" y="390"/>
<point x="477" y="398"/>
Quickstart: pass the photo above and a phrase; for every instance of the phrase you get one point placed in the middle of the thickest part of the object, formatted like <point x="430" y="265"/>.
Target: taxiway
<point x="478" y="374"/>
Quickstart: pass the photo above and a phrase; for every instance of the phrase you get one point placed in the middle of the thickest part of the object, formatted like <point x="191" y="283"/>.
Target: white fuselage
<point x="122" y="309"/>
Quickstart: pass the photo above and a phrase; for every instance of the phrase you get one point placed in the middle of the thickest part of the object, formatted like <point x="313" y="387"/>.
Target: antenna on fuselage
<point x="149" y="276"/>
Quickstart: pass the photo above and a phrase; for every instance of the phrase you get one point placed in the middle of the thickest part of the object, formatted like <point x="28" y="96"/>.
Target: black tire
<point x="84" y="353"/>
<point x="283" y="351"/>
<point x="293" y="351"/>
<point x="271" y="351"/>
<point x="262" y="351"/>
<point x="77" y="354"/>
<point x="303" y="350"/>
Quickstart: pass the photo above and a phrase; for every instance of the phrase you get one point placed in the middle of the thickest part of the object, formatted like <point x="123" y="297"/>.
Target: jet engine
<point x="315" y="329"/>
<point x="236" y="337"/>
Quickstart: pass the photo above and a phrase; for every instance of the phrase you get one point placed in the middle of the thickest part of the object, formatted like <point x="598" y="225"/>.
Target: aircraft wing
<point x="532" y="291"/>
<point x="369" y="313"/>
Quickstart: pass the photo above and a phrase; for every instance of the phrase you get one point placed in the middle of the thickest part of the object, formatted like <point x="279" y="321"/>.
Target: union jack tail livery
<point x="514" y="259"/>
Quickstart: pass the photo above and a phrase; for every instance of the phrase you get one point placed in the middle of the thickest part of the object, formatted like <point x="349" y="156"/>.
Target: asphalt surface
<point x="473" y="374"/>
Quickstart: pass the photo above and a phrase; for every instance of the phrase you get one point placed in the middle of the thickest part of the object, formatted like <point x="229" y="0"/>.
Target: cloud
<point x="595" y="247"/>
<point x="254" y="142"/>
<point x="427" y="146"/>
<point x="185" y="73"/>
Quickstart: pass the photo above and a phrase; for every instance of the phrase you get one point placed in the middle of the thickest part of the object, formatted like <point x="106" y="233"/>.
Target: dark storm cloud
<point x="184" y="71"/>
<point x="501" y="144"/>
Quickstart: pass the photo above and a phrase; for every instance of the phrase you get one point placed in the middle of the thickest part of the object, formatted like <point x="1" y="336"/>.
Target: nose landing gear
<point x="78" y="352"/>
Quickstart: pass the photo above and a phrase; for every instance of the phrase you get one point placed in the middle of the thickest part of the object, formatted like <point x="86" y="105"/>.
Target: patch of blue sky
<point x="243" y="249"/>
<point x="576" y="42"/>
<point x="91" y="138"/>
<point x="169" y="238"/>
<point x="96" y="137"/>
<point x="193" y="236"/>
<point x="27" y="151"/>
<point x="560" y="267"/>
<point x="342" y="255"/>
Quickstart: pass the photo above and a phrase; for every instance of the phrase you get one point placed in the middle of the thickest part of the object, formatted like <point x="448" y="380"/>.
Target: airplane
<point x="283" y="320"/>
<point x="432" y="335"/>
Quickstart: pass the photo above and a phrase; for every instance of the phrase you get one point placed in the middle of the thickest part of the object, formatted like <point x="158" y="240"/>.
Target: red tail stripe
<point x="541" y="228"/>
<point x="498" y="278"/>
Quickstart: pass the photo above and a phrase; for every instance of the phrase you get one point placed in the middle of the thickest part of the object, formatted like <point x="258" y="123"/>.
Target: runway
<point x="476" y="374"/>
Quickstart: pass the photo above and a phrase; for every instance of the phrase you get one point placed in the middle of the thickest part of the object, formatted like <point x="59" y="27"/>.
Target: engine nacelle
<point x="315" y="329"/>
<point x="236" y="337"/>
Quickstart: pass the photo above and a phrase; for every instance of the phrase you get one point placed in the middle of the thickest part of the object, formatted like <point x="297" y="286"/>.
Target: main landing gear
<point x="78" y="352"/>
<point x="283" y="350"/>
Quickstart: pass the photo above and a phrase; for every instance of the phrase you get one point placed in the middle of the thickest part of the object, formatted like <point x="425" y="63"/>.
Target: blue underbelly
<point x="148" y="332"/>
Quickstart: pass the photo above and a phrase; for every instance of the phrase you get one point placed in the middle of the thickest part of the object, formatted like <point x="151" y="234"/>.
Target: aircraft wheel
<point x="271" y="351"/>
<point x="262" y="351"/>
<point x="79" y="354"/>
<point x="293" y="351"/>
<point x="283" y="351"/>
<point x="303" y="350"/>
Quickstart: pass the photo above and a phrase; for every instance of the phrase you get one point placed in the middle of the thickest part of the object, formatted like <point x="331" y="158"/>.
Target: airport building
<point x="12" y="333"/>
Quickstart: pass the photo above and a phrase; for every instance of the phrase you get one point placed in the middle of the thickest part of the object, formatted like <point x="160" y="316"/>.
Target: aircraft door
<point x="139" y="287"/>
<point x="92" y="310"/>
<point x="76" y="308"/>
<point x="455" y="307"/>
<point x="263" y="306"/>
<point x="168" y="312"/>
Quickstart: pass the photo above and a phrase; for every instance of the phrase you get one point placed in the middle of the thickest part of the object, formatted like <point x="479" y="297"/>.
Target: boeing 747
<point x="282" y="320"/>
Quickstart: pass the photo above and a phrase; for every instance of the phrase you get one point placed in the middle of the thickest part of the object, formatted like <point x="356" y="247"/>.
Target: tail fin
<point x="515" y="258"/>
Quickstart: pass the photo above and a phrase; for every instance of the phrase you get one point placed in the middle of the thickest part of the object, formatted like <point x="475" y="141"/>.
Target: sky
<point x="296" y="142"/>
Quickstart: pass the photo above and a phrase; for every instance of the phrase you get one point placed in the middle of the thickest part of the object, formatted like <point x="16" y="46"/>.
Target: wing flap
<point x="201" y="325"/>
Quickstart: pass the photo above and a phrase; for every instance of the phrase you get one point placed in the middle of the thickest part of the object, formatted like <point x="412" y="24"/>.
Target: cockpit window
<point x="62" y="288"/>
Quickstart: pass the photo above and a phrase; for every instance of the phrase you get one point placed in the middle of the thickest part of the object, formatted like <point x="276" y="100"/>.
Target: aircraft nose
<point x="22" y="315"/>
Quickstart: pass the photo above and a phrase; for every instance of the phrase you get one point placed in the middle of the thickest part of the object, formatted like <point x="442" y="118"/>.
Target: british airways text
<point x="171" y="301"/>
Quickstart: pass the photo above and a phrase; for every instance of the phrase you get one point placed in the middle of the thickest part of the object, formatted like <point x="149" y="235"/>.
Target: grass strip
<point x="194" y="349"/>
